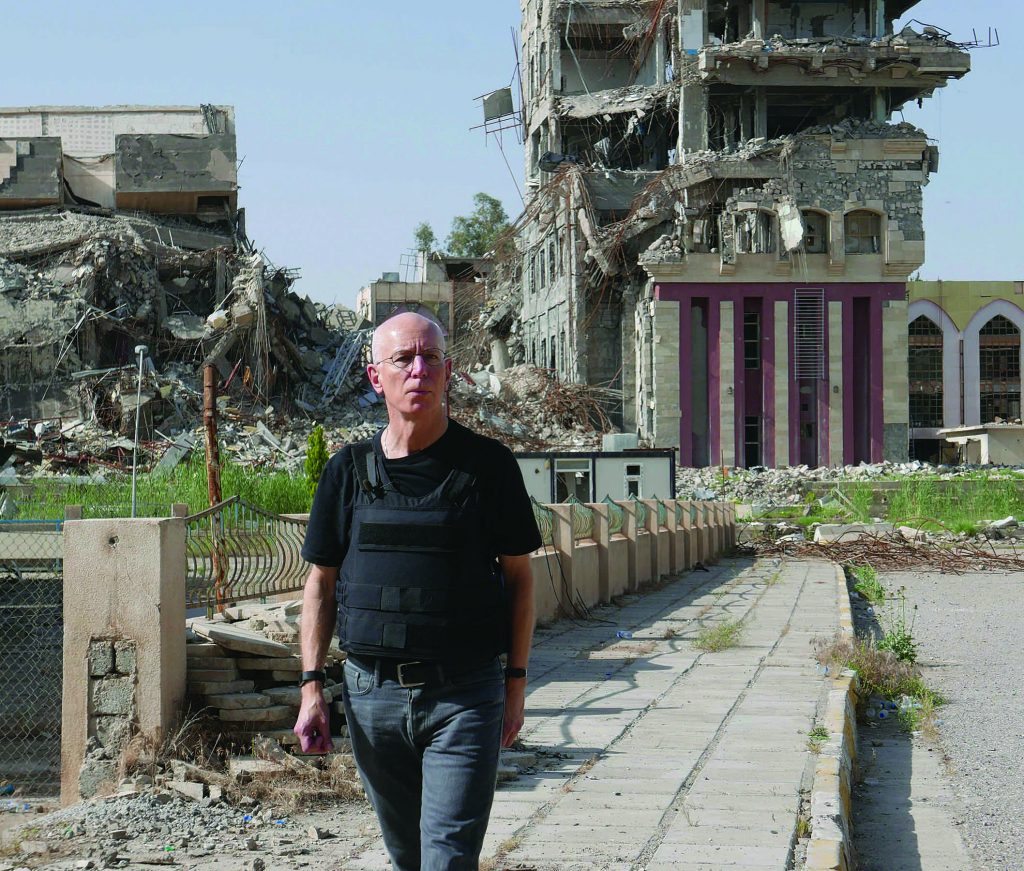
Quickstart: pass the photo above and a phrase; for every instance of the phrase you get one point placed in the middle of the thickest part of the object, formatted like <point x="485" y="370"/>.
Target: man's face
<point x="415" y="342"/>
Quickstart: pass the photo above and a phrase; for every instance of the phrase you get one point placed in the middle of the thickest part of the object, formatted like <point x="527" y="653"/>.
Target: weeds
<point x="899" y="635"/>
<point x="277" y="492"/>
<point x="803" y="828"/>
<point x="867" y="584"/>
<point x="884" y="674"/>
<point x="816" y="737"/>
<point x="720" y="636"/>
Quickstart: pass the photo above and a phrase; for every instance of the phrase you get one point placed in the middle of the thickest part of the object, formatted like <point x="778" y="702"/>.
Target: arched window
<point x="863" y="232"/>
<point x="815" y="232"/>
<point x="999" y="370"/>
<point x="755" y="232"/>
<point x="925" y="373"/>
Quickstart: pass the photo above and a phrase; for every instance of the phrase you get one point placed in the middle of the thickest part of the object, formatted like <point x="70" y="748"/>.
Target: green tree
<point x="316" y="457"/>
<point x="475" y="234"/>
<point x="425" y="238"/>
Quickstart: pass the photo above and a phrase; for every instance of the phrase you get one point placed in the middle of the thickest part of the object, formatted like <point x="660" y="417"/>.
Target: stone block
<point x="270" y="663"/>
<point x="101" y="658"/>
<point x="111" y="731"/>
<point x="196" y="791"/>
<point x="204" y="649"/>
<point x="124" y="657"/>
<point x="238" y="701"/>
<point x="111" y="696"/>
<point x="285" y="676"/>
<point x="269" y="714"/>
<point x="209" y="662"/>
<point x="212" y="674"/>
<point x="218" y="687"/>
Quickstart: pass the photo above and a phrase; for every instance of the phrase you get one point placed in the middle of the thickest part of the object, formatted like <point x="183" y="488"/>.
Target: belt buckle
<point x="400" y="671"/>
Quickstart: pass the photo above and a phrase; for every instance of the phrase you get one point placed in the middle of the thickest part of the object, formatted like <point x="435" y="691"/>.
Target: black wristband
<point x="515" y="672"/>
<point x="310" y="676"/>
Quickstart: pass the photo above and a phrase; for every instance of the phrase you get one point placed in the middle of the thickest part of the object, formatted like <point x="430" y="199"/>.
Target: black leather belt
<point x="413" y="673"/>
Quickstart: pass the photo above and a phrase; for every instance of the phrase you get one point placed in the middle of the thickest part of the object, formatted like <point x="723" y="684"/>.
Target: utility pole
<point x="210" y="427"/>
<point x="217" y="555"/>
<point x="141" y="350"/>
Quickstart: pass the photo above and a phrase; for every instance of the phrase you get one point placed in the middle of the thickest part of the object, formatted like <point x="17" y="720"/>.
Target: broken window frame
<point x="581" y="474"/>
<point x="862" y="229"/>
<point x="816" y="239"/>
<point x="759" y="236"/>
<point x="751" y="340"/>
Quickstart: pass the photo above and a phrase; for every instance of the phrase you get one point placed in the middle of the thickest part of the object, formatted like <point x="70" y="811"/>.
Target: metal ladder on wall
<point x="341" y="366"/>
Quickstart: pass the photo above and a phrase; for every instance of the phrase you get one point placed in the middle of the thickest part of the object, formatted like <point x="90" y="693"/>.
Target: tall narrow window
<point x="999" y="367"/>
<point x="809" y="333"/>
<point x="634" y="481"/>
<point x="752" y="441"/>
<point x="924" y="370"/>
<point x="752" y="340"/>
<point x="541" y="271"/>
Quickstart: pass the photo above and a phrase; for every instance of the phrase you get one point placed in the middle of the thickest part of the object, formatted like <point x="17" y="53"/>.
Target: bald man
<point x="420" y="540"/>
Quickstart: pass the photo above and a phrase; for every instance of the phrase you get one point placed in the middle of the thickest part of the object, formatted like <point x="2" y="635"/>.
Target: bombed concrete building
<point x="722" y="217"/>
<point x="120" y="226"/>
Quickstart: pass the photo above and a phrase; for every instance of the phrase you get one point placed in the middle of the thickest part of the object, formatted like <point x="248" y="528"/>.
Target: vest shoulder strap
<point x="365" y="467"/>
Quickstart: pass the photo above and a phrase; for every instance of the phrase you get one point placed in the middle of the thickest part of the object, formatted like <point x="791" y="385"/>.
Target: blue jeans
<point x="428" y="758"/>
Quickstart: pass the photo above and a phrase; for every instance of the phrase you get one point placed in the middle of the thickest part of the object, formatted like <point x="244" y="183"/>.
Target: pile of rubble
<point x="530" y="409"/>
<point x="244" y="667"/>
<point x="768" y="488"/>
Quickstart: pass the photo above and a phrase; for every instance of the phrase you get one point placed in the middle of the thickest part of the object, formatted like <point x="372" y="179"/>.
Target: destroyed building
<point x="722" y="218"/>
<point x="120" y="227"/>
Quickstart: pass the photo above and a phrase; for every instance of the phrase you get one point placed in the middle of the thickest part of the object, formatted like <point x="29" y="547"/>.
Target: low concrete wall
<point x="546" y="583"/>
<point x="586" y="572"/>
<point x="124" y="643"/>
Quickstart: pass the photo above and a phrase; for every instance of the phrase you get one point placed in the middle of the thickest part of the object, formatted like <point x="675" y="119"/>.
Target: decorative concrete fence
<point x="125" y="597"/>
<point x="595" y="552"/>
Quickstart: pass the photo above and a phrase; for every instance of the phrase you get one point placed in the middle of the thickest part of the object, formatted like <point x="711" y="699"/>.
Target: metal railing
<point x="236" y="551"/>
<point x="616" y="516"/>
<point x="545" y="518"/>
<point x="31" y="654"/>
<point x="582" y="519"/>
<point x="679" y="513"/>
<point x="662" y="513"/>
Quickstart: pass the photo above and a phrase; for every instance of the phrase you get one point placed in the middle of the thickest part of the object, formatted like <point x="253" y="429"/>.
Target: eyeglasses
<point x="433" y="357"/>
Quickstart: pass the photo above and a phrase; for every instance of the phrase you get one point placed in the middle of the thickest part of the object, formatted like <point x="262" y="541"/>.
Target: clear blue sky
<point x="353" y="118"/>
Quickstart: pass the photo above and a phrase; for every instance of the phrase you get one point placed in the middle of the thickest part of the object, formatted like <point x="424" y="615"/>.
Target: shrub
<point x="316" y="457"/>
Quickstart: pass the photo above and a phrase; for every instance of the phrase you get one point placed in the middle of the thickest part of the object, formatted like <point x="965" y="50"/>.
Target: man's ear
<point x="374" y="378"/>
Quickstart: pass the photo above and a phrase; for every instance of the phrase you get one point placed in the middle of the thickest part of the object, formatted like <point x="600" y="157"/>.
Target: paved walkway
<point x="656" y="755"/>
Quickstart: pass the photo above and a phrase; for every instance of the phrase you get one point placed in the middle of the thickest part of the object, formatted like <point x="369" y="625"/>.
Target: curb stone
<point x="831" y="846"/>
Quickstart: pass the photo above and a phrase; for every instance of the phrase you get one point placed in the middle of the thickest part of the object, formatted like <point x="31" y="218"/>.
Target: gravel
<point x="968" y="628"/>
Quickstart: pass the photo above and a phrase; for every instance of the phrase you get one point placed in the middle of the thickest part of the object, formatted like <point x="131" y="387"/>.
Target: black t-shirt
<point x="509" y="520"/>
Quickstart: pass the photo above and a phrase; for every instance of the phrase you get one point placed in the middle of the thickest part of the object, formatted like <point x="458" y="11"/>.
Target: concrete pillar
<point x="781" y="399"/>
<point x="881" y="24"/>
<point x="880" y="107"/>
<point x="563" y="540"/>
<point x="761" y="113"/>
<point x="630" y="398"/>
<point x="835" y="383"/>
<point x="759" y="18"/>
<point x="895" y="388"/>
<point x="499" y="356"/>
<point x="726" y="385"/>
<point x="693" y="122"/>
<point x="665" y="373"/>
<point x="124" y="642"/>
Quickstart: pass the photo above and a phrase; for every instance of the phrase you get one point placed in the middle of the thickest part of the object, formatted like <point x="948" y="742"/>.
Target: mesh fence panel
<point x="31" y="654"/>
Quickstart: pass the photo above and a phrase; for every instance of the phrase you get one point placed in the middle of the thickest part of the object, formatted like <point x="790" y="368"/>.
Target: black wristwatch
<point x="515" y="672"/>
<point x="310" y="676"/>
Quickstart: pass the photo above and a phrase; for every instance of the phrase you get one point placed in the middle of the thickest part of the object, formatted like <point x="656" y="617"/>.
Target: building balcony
<point x="906" y="60"/>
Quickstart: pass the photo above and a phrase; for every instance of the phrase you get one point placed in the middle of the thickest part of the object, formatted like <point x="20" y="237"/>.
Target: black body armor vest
<point x="418" y="581"/>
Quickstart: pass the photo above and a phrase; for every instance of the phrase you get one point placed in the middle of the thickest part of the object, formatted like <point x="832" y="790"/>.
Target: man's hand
<point x="515" y="706"/>
<point x="314" y="723"/>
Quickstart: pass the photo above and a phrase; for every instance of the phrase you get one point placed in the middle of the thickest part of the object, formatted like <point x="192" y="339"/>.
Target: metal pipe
<point x="141" y="350"/>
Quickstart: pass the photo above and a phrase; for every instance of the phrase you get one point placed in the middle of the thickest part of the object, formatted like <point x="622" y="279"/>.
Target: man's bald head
<point x="396" y="330"/>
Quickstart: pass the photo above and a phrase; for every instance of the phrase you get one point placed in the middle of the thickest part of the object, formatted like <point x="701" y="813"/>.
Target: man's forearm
<point x="519" y="583"/>
<point x="319" y="613"/>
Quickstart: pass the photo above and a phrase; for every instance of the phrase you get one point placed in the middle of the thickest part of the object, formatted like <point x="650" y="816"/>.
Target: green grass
<point x="818" y="734"/>
<point x="720" y="636"/>
<point x="276" y="492"/>
<point x="938" y="504"/>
